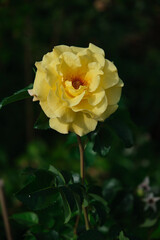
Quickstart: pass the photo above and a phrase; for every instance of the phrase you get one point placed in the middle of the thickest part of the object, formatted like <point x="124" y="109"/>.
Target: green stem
<point x="81" y="150"/>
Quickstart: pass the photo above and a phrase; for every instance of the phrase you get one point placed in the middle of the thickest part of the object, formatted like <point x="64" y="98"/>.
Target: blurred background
<point x="128" y="31"/>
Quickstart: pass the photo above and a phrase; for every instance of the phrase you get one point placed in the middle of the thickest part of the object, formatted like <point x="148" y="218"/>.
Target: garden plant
<point x="79" y="145"/>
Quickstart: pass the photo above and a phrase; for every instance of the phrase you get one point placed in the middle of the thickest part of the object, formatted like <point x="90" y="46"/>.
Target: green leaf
<point x="42" y="122"/>
<point x="78" y="202"/>
<point x="41" y="192"/>
<point x="71" y="139"/>
<point x="100" y="208"/>
<point x="100" y="142"/>
<point x="47" y="215"/>
<point x="77" y="191"/>
<point x="100" y="213"/>
<point x="121" y="123"/>
<point x="51" y="235"/>
<point x="58" y="173"/>
<point x="91" y="234"/>
<point x="17" y="96"/>
<point x="67" y="176"/>
<point x="156" y="233"/>
<point x="63" y="177"/>
<point x="122" y="237"/>
<point x="149" y="223"/>
<point x="100" y="199"/>
<point x="29" y="236"/>
<point x="124" y="132"/>
<point x="66" y="206"/>
<point x="67" y="232"/>
<point x="26" y="218"/>
<point x="111" y="188"/>
<point x="89" y="155"/>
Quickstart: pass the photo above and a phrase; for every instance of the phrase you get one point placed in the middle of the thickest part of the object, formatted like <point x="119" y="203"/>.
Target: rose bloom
<point x="76" y="87"/>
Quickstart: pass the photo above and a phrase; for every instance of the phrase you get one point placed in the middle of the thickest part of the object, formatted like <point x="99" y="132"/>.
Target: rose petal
<point x="110" y="109"/>
<point x="41" y="92"/>
<point x="101" y="107"/>
<point x="51" y="75"/>
<point x="114" y="93"/>
<point x="61" y="49"/>
<point x="68" y="115"/>
<point x="96" y="49"/>
<point x="70" y="59"/>
<point x="93" y="79"/>
<point x="56" y="104"/>
<point x="58" y="125"/>
<point x="83" y="124"/>
<point x="72" y="101"/>
<point x="77" y="49"/>
<point x="93" y="111"/>
<point x="100" y="59"/>
<point x="96" y="97"/>
<point x="47" y="110"/>
<point x="110" y="76"/>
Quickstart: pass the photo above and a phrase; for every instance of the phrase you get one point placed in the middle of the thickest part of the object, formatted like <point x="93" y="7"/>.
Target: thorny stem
<point x="81" y="150"/>
<point x="4" y="212"/>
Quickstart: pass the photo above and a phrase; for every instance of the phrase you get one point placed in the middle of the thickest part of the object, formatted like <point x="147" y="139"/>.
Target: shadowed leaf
<point x="17" y="96"/>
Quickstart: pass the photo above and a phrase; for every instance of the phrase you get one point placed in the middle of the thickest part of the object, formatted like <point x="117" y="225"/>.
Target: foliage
<point x="22" y="94"/>
<point x="119" y="154"/>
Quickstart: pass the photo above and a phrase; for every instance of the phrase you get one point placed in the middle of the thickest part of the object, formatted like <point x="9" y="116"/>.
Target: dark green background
<point x="128" y="31"/>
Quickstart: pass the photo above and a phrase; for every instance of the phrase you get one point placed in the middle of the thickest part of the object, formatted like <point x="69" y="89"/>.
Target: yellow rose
<point x="76" y="88"/>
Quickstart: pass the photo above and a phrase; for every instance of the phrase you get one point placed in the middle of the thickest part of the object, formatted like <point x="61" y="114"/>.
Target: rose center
<point x="76" y="83"/>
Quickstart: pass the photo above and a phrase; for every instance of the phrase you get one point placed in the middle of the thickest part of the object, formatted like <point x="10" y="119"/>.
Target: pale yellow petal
<point x="41" y="87"/>
<point x="120" y="83"/>
<point x="47" y="59"/>
<point x="101" y="107"/>
<point x="100" y="59"/>
<point x="93" y="80"/>
<point x="86" y="57"/>
<point x="114" y="93"/>
<point x="96" y="67"/>
<point x="96" y="49"/>
<point x="68" y="115"/>
<point x="47" y="110"/>
<point x="110" y="109"/>
<point x="61" y="49"/>
<point x="58" y="125"/>
<point x="31" y="93"/>
<point x="94" y="84"/>
<point x="110" y="76"/>
<point x="35" y="99"/>
<point x="93" y="111"/>
<point x="96" y="97"/>
<point x="39" y="66"/>
<point x="83" y="106"/>
<point x="56" y="104"/>
<point x="52" y="75"/>
<point x="76" y="100"/>
<point x="77" y="49"/>
<point x="70" y="59"/>
<point x="83" y="124"/>
<point x="72" y="101"/>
